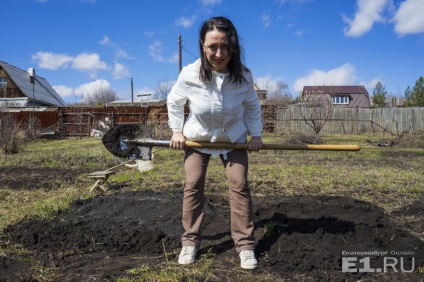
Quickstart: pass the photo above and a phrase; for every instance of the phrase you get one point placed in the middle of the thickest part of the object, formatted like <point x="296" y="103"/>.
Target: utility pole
<point x="31" y="72"/>
<point x="180" y="53"/>
<point x="132" y="92"/>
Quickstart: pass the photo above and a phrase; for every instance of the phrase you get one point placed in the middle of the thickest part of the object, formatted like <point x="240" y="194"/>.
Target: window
<point x="3" y="83"/>
<point x="340" y="100"/>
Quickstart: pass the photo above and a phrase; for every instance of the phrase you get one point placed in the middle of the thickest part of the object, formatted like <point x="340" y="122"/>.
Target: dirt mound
<point x="304" y="237"/>
<point x="309" y="235"/>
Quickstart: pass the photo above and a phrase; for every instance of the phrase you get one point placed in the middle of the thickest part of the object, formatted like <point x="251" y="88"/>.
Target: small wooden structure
<point x="102" y="179"/>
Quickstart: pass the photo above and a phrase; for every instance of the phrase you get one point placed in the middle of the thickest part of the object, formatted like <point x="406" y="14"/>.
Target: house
<point x="20" y="89"/>
<point x="341" y="96"/>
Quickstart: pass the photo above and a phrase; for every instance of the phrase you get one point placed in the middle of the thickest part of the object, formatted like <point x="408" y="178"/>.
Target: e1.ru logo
<point x="352" y="264"/>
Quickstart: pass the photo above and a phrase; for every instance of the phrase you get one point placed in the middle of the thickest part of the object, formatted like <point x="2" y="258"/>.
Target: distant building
<point x="146" y="101"/>
<point x="261" y="93"/>
<point x="142" y="103"/>
<point x="341" y="96"/>
<point x="20" y="89"/>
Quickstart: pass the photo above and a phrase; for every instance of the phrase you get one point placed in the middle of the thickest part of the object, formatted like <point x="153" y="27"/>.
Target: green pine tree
<point x="379" y="95"/>
<point x="408" y="97"/>
<point x="415" y="97"/>
<point x="418" y="92"/>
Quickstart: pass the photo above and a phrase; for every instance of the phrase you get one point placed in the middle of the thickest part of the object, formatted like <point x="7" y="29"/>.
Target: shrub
<point x="13" y="135"/>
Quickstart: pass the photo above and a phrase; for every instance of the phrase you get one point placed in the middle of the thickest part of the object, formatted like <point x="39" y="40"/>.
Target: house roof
<point x="43" y="91"/>
<point x="335" y="90"/>
<point x="358" y="94"/>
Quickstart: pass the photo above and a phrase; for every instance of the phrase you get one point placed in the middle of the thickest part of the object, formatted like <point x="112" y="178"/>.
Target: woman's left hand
<point x="255" y="144"/>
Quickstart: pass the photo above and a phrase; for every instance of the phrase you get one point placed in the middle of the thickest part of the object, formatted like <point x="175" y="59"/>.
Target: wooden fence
<point x="81" y="121"/>
<point x="289" y="120"/>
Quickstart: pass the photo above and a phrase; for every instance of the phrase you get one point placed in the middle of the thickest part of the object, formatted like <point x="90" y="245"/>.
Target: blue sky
<point x="83" y="45"/>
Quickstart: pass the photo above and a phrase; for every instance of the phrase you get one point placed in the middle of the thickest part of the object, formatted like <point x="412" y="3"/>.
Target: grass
<point x="367" y="174"/>
<point x="389" y="177"/>
<point x="201" y="270"/>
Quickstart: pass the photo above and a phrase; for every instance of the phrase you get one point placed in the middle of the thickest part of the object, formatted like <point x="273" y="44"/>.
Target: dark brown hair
<point x="235" y="65"/>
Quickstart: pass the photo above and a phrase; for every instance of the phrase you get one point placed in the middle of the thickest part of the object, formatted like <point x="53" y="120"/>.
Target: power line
<point x="180" y="56"/>
<point x="196" y="57"/>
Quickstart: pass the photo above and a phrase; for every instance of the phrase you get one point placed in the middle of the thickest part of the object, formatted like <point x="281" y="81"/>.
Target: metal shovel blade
<point x="114" y="138"/>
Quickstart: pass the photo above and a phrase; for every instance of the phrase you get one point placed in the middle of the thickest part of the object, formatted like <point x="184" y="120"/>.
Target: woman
<point x="223" y="108"/>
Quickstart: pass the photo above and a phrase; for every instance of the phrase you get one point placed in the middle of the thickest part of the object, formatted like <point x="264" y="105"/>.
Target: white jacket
<point x="220" y="111"/>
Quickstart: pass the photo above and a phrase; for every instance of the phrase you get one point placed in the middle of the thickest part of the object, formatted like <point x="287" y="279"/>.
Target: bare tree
<point x="277" y="92"/>
<point x="163" y="89"/>
<point x="100" y="96"/>
<point x="280" y="95"/>
<point x="316" y="111"/>
<point x="281" y="89"/>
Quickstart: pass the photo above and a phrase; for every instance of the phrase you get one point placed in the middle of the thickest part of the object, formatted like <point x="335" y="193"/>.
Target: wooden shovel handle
<point x="265" y="146"/>
<point x="244" y="146"/>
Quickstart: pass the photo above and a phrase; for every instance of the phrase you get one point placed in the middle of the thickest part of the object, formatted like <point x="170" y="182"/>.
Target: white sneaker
<point x="187" y="255"/>
<point x="248" y="259"/>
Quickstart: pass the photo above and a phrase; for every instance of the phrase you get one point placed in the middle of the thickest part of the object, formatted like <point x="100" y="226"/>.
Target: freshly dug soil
<point x="300" y="238"/>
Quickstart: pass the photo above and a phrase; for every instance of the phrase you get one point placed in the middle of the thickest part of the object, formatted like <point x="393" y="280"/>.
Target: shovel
<point x="124" y="141"/>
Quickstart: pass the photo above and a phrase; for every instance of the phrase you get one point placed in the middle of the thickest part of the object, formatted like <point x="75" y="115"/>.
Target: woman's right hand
<point x="177" y="141"/>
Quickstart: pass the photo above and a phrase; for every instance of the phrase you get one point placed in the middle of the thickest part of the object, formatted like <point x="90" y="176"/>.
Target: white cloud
<point x="210" y="2"/>
<point x="64" y="91"/>
<point x="83" y="61"/>
<point x="105" y="40"/>
<point x="119" y="52"/>
<point x="186" y="22"/>
<point x="88" y="62"/>
<point x="174" y="58"/>
<point x="409" y="18"/>
<point x="367" y="14"/>
<point x="371" y="84"/>
<point x="282" y="2"/>
<point x="302" y="32"/>
<point x="84" y="90"/>
<point x="266" y="18"/>
<point x="149" y="34"/>
<point x="51" y="61"/>
<point x="156" y="51"/>
<point x="89" y="1"/>
<point x="343" y="75"/>
<point x="88" y="89"/>
<point x="267" y="82"/>
<point x="120" y="71"/>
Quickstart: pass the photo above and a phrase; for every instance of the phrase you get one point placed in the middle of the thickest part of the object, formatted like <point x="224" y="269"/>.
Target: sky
<point x="83" y="45"/>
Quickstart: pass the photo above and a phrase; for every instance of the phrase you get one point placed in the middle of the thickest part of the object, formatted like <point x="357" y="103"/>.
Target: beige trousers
<point x="236" y="167"/>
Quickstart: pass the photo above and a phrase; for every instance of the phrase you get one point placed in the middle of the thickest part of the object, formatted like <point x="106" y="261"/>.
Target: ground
<point x="299" y="238"/>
